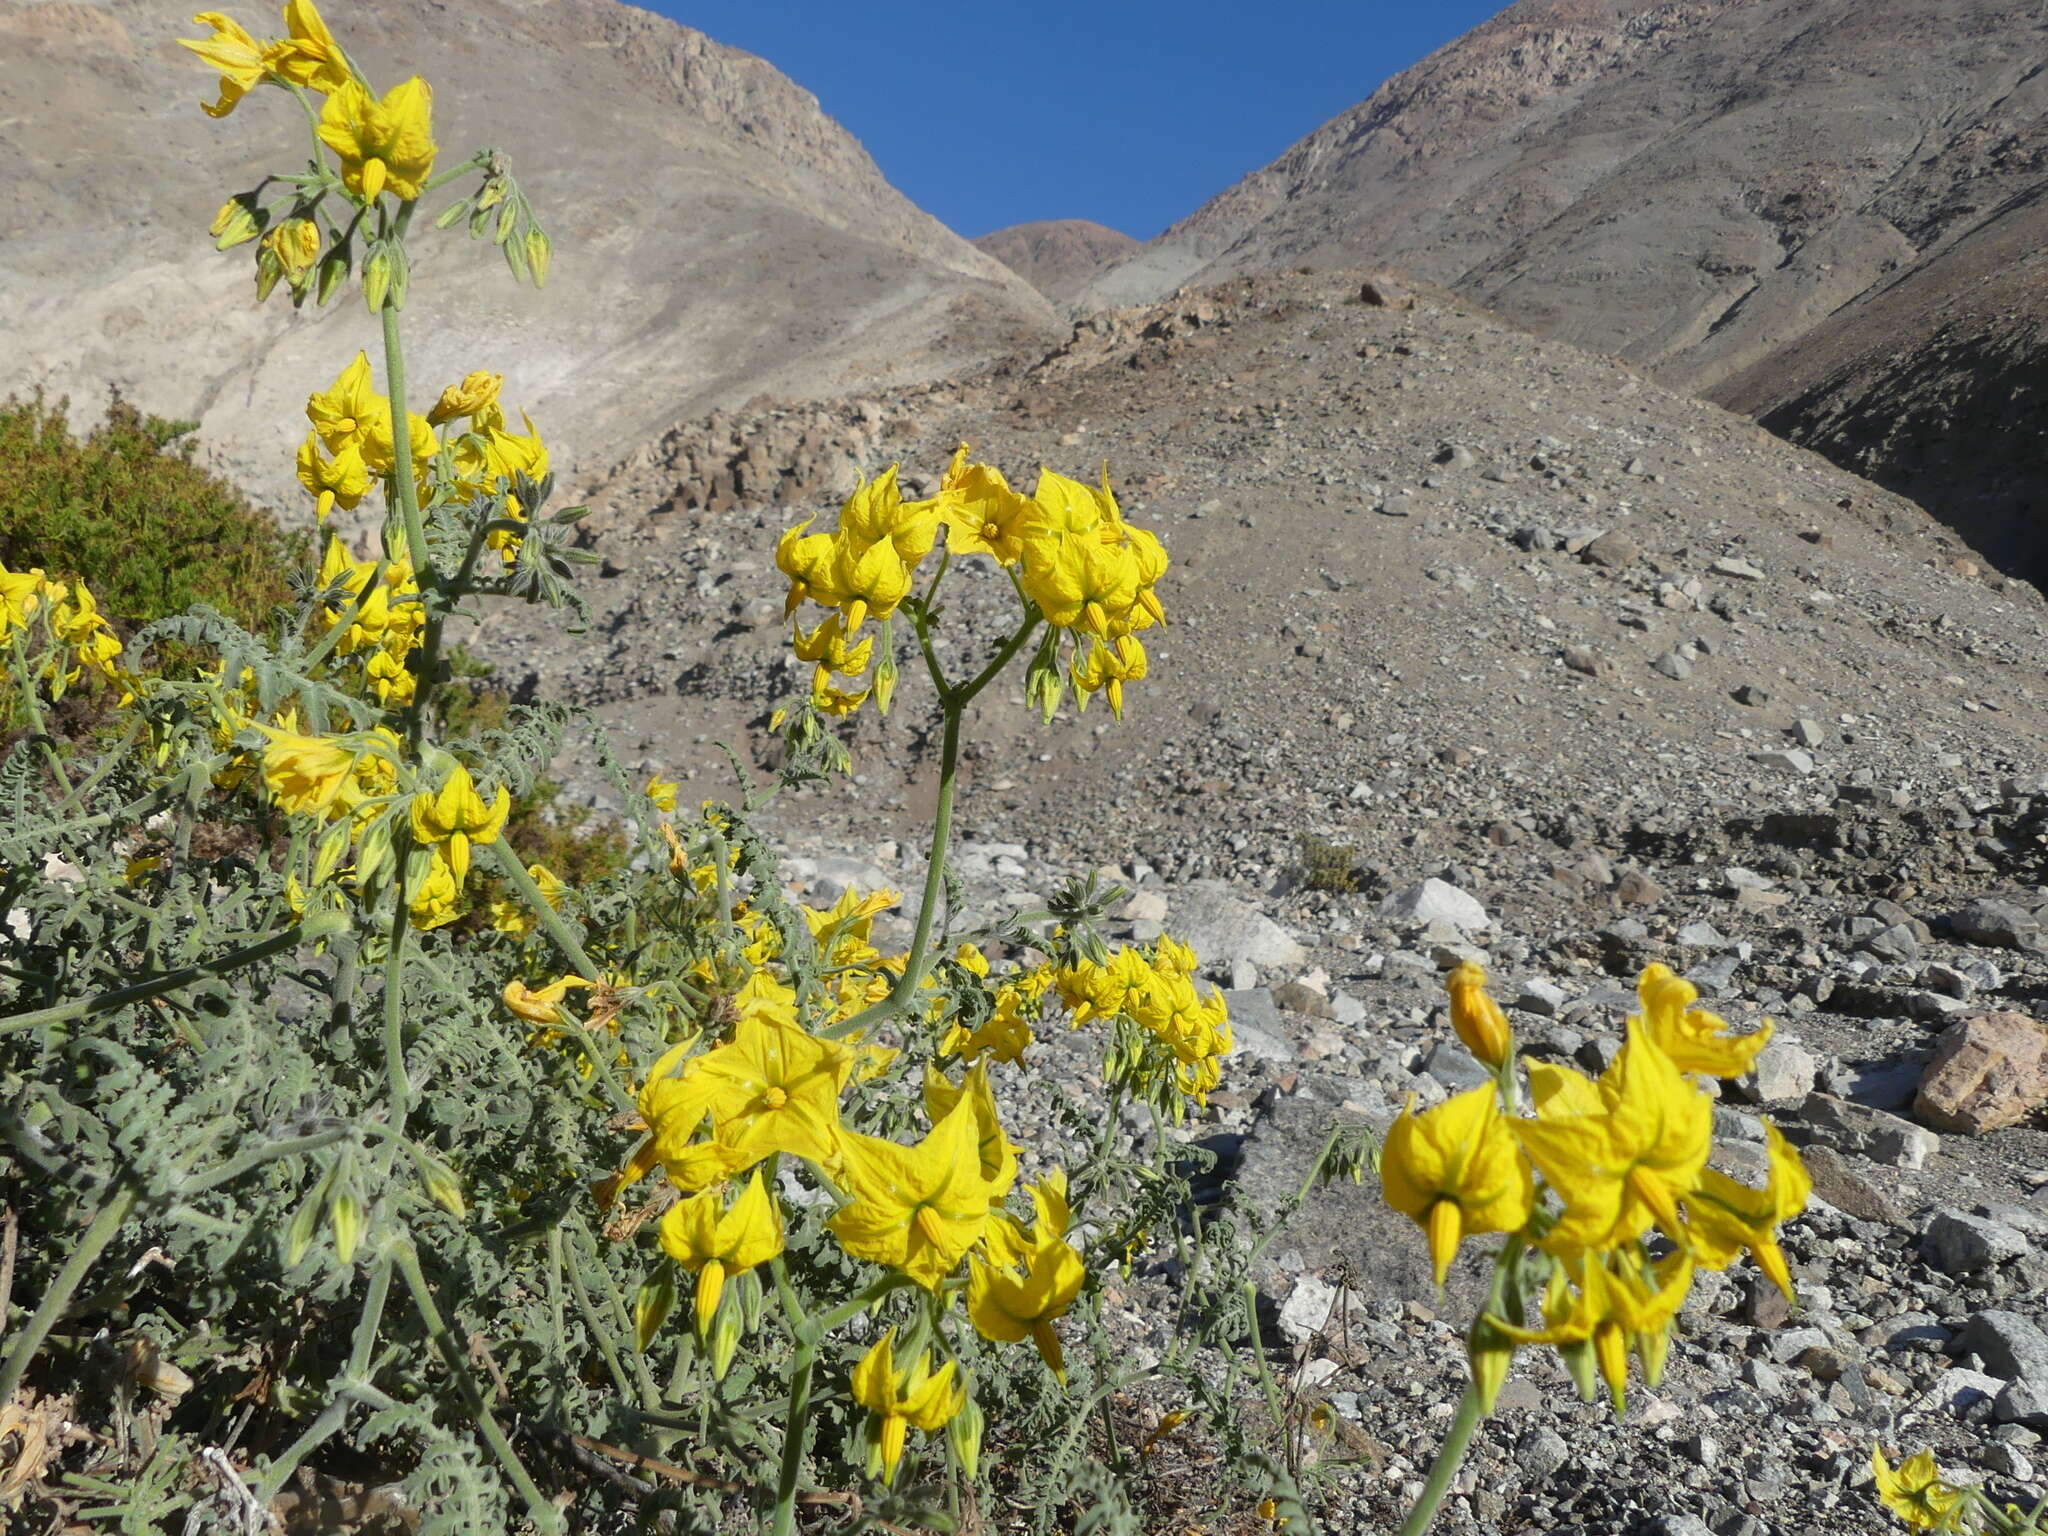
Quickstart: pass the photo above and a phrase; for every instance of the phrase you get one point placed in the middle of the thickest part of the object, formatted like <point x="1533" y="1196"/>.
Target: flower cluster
<point x="1173" y="1039"/>
<point x="1923" y="1500"/>
<point x="76" y="626"/>
<point x="1078" y="566"/>
<point x="774" y="1078"/>
<point x="1606" y="1186"/>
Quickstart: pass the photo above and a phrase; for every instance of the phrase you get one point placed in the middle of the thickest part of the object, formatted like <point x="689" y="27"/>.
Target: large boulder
<point x="1988" y="1071"/>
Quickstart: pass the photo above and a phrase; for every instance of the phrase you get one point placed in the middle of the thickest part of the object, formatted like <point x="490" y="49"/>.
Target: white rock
<point x="1435" y="901"/>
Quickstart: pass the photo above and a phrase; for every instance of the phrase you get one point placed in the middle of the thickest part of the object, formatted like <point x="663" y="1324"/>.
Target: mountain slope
<point x="1058" y="257"/>
<point x="716" y="235"/>
<point x="1703" y="188"/>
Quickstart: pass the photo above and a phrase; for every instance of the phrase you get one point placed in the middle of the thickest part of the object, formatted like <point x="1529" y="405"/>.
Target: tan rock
<point x="1989" y="1070"/>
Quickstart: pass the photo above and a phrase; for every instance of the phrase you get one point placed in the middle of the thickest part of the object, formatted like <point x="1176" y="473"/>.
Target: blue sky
<point x="1129" y="112"/>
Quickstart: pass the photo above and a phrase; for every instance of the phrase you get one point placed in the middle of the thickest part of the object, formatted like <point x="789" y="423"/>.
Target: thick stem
<point x="1449" y="1457"/>
<point x="88" y="1007"/>
<point x="404" y="489"/>
<point x="119" y="1203"/>
<point x="934" y="887"/>
<point x="796" y="1433"/>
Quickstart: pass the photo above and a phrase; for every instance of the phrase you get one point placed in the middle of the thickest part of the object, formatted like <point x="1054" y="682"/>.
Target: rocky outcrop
<point x="1058" y="257"/>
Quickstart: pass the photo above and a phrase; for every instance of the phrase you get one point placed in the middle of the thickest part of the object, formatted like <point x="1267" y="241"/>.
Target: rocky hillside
<point x="1558" y="668"/>
<point x="716" y="234"/>
<point x="1761" y="202"/>
<point x="1058" y="257"/>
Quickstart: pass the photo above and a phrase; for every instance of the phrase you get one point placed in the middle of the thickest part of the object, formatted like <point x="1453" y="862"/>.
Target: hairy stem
<point x="88" y="1007"/>
<point x="1449" y="1457"/>
<point x="796" y="1431"/>
<point x="97" y="1236"/>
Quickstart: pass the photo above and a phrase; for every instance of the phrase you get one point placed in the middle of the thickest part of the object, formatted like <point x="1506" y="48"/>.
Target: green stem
<point x="1449" y="1457"/>
<point x="269" y="1152"/>
<point x="335" y="1414"/>
<point x="543" y="1513"/>
<point x="795" y="1435"/>
<point x="397" y="1083"/>
<point x="112" y="759"/>
<point x="314" y="927"/>
<point x="572" y="951"/>
<point x="68" y="1279"/>
<point x="34" y="708"/>
<point x="405" y="490"/>
<point x="599" y="1335"/>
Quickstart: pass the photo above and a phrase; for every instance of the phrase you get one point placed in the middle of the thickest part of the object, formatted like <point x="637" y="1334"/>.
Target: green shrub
<point x="127" y="509"/>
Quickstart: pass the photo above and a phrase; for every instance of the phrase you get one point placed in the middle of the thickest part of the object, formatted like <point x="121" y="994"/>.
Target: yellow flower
<point x="915" y="1209"/>
<point x="1694" y="1039"/>
<point x="1005" y="1034"/>
<point x="296" y="245"/>
<point x="341" y="479"/>
<point x="715" y="1242"/>
<point x="309" y="775"/>
<point x="1455" y="1171"/>
<point x="1477" y="1017"/>
<point x="511" y="915"/>
<point x="1107" y="669"/>
<point x="477" y="393"/>
<point x="1915" y="1492"/>
<point x="541" y="1005"/>
<point x="983" y="515"/>
<point x="382" y="144"/>
<point x="308" y="55"/>
<point x="663" y="793"/>
<point x="232" y="51"/>
<point x="436" y="901"/>
<point x="457" y="816"/>
<point x="806" y="559"/>
<point x="1594" y="1314"/>
<point x="876" y="512"/>
<point x="873" y="579"/>
<point x="901" y="1399"/>
<point x="1621" y="1170"/>
<point x="772" y="1088"/>
<point x="1032" y="1282"/>
<point x="998" y="1158"/>
<point x="20" y="595"/>
<point x="826" y="646"/>
<point x="343" y="412"/>
<point x="1723" y="1217"/>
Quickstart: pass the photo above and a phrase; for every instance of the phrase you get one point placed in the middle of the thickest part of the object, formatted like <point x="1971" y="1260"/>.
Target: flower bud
<point x="885" y="681"/>
<point x="440" y="1182"/>
<point x="964" y="1431"/>
<point x="298" y="1237"/>
<point x="539" y="252"/>
<point x="345" y="1213"/>
<point x="451" y="213"/>
<point x="1489" y="1352"/>
<point x="653" y="1302"/>
<point x="268" y="270"/>
<point x="234" y="225"/>
<point x="377" y="278"/>
<point x="506" y="219"/>
<point x="753" y="1299"/>
<point x="1477" y="1017"/>
<point x="725" y="1341"/>
<point x="333" y="272"/>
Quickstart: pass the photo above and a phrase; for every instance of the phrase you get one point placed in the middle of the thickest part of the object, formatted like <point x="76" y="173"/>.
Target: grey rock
<point x="1783" y="1072"/>
<point x="1542" y="997"/>
<point x="1997" y="923"/>
<point x="2021" y="1402"/>
<point x="1792" y="759"/>
<point x="1808" y="733"/>
<point x="1673" y="665"/>
<point x="1612" y="550"/>
<point x="1224" y="930"/>
<point x="1256" y="1027"/>
<point x="1702" y="935"/>
<point x="1736" y="567"/>
<point x="1959" y="1243"/>
<point x="1541" y="1452"/>
<point x="1898" y="944"/>
<point x="1435" y="901"/>
<point x="1751" y="695"/>
<point x="1453" y="1066"/>
<point x="2012" y="1346"/>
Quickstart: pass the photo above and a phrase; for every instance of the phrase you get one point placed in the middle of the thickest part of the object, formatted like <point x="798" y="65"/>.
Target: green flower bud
<point x="298" y="1237"/>
<point x="440" y="1182"/>
<point x="653" y="1302"/>
<point x="963" y="1430"/>
<point x="725" y="1341"/>
<point x="377" y="278"/>
<point x="539" y="252"/>
<point x="236" y="223"/>
<point x="451" y="213"/>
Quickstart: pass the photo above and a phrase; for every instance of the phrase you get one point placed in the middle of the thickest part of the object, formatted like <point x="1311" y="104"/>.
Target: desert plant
<point x="315" y="1178"/>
